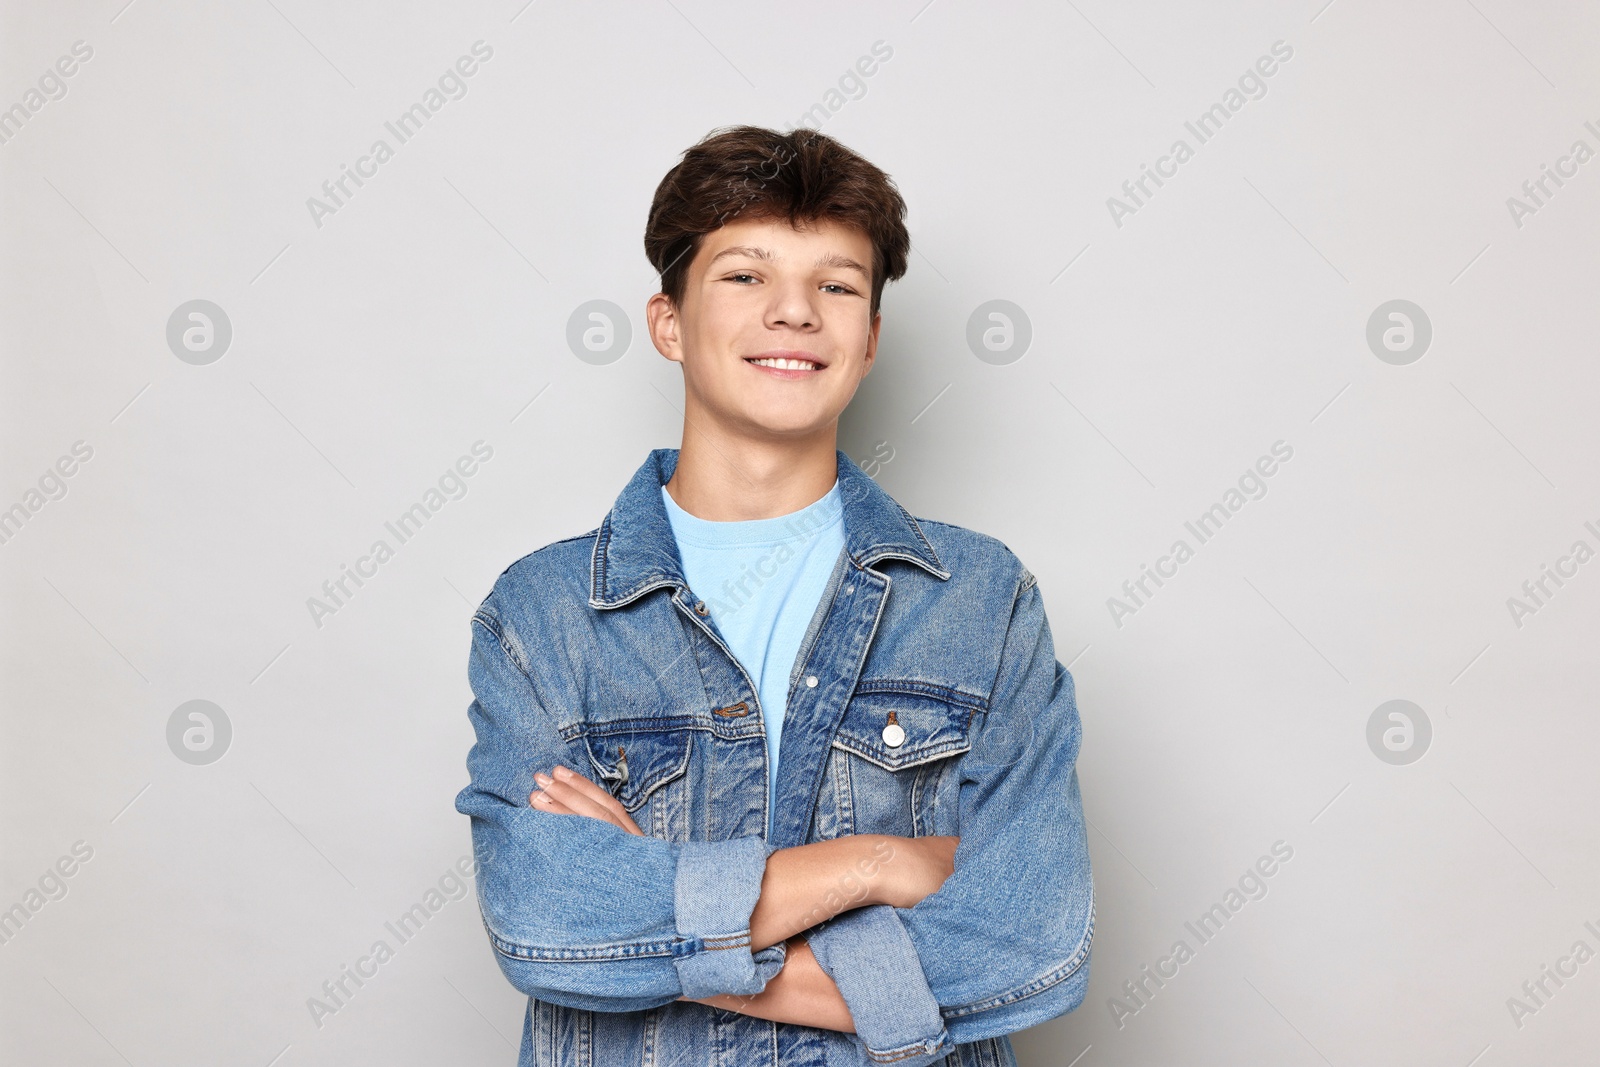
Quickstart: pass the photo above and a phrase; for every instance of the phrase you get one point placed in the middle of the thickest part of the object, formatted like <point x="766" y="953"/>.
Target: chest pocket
<point x="891" y="753"/>
<point x="634" y="758"/>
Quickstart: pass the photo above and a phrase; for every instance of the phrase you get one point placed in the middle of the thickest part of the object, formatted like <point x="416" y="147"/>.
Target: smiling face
<point x="775" y="331"/>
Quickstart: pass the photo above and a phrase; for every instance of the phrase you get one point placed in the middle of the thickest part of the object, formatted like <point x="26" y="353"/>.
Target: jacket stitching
<point x="679" y="947"/>
<point x="921" y="1048"/>
<point x="664" y="724"/>
<point x="914" y="758"/>
<point x="1047" y="981"/>
<point x="912" y="687"/>
<point x="917" y="527"/>
<point x="635" y="950"/>
<point x="1016" y="601"/>
<point x="483" y="617"/>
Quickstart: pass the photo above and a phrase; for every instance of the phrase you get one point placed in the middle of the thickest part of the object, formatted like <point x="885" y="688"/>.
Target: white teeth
<point x="786" y="364"/>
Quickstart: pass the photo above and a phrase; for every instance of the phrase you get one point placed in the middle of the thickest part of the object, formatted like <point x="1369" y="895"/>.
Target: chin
<point x="784" y="425"/>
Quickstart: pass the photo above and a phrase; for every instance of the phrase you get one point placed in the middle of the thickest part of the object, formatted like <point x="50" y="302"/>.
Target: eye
<point x="841" y="288"/>
<point x="741" y="274"/>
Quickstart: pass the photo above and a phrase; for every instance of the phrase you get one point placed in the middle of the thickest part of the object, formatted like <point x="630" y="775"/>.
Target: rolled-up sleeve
<point x="869" y="955"/>
<point x="580" y="912"/>
<point x="1004" y="943"/>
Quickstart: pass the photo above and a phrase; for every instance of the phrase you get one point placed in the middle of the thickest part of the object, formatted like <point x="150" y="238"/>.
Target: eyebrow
<point x="827" y="259"/>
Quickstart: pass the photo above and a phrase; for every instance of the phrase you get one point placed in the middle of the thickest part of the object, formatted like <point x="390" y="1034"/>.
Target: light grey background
<point x="1168" y="353"/>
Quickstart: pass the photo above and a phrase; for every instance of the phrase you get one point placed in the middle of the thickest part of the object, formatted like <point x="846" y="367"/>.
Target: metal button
<point x="811" y="681"/>
<point x="894" y="735"/>
<point x="700" y="608"/>
<point x="848" y="588"/>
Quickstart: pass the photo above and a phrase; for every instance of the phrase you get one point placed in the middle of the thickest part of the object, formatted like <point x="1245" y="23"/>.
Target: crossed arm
<point x="989" y="940"/>
<point x="801" y="887"/>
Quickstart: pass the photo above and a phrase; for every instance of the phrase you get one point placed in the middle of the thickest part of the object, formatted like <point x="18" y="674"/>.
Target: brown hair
<point x="756" y="173"/>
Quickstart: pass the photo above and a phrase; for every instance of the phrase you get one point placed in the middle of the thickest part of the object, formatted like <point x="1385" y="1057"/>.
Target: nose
<point x="793" y="305"/>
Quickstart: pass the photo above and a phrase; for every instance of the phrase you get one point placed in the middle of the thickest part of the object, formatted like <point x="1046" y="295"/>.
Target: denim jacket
<point x="926" y="699"/>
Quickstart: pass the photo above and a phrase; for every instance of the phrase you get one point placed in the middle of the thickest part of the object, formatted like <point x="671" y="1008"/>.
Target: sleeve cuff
<point x="716" y="889"/>
<point x="870" y="957"/>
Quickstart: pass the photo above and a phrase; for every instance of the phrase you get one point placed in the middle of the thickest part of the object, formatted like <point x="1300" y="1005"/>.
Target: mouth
<point x="787" y="363"/>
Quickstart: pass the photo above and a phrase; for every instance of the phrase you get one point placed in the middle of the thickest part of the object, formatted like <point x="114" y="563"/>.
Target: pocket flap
<point x="932" y="724"/>
<point x="632" y="762"/>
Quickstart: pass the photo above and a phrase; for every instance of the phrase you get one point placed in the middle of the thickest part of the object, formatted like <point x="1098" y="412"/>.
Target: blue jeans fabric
<point x="590" y="652"/>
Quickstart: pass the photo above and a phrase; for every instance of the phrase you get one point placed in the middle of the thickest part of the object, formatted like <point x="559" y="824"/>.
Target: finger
<point x="579" y="804"/>
<point x="588" y="788"/>
<point x="545" y="802"/>
<point x="586" y="792"/>
<point x="577" y="793"/>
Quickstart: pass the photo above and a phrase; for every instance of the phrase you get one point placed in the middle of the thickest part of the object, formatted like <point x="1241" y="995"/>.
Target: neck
<point x="728" y="478"/>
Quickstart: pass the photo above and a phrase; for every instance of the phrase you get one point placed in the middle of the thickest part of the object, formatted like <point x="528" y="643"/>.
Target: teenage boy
<point x="769" y="772"/>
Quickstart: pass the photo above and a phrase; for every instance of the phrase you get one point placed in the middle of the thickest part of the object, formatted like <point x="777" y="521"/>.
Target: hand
<point x="570" y="793"/>
<point x="800" y="993"/>
<point x="917" y="868"/>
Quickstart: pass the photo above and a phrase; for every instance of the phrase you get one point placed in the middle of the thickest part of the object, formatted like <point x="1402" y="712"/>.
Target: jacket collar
<point x="635" y="550"/>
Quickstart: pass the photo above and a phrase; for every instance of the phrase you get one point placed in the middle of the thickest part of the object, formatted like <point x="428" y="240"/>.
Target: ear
<point x="662" y="319"/>
<point x="872" y="344"/>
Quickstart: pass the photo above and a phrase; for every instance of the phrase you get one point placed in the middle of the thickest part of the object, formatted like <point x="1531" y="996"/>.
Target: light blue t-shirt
<point x="762" y="580"/>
